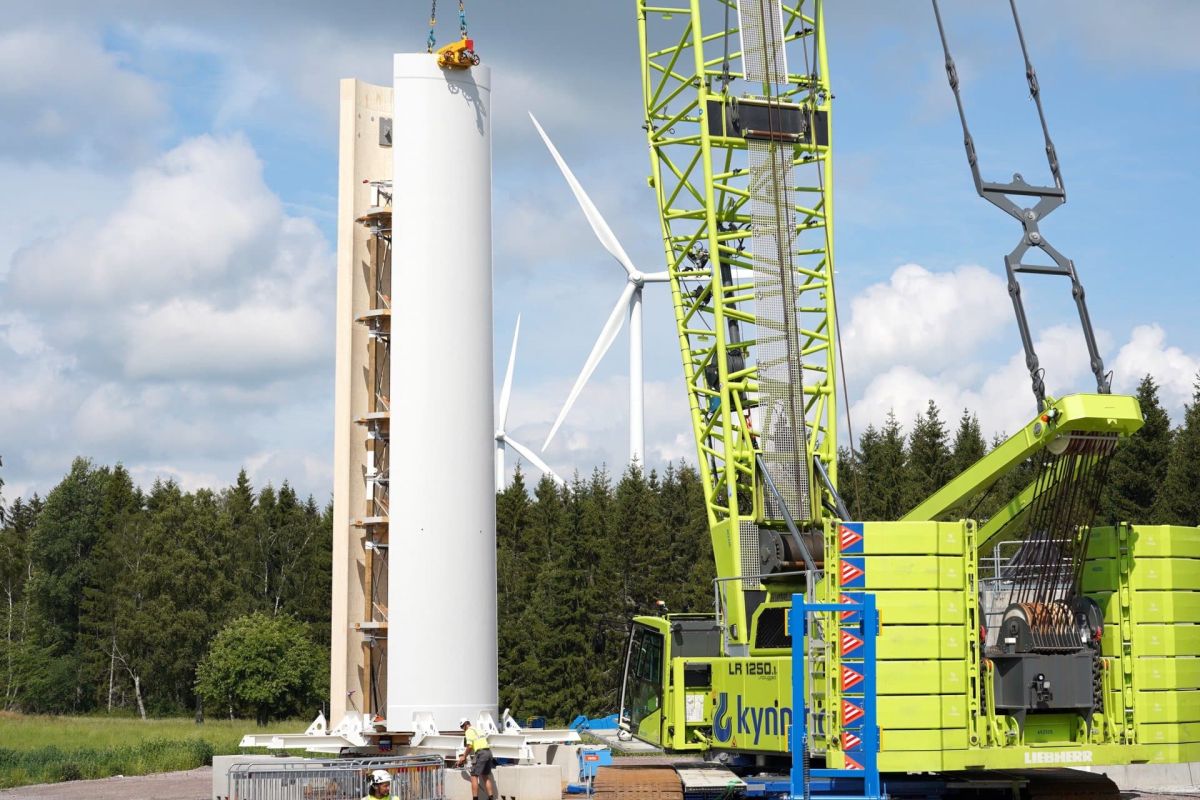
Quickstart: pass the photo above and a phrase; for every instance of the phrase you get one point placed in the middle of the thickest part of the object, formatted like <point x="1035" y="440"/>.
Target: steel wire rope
<point x="726" y="76"/>
<point x="462" y="24"/>
<point x="811" y="71"/>
<point x="1048" y="567"/>
<point x="432" y="42"/>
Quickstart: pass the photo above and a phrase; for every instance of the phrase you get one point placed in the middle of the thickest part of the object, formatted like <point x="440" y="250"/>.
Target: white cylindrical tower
<point x="442" y="559"/>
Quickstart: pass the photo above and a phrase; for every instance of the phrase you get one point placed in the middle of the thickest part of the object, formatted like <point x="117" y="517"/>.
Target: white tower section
<point x="442" y="561"/>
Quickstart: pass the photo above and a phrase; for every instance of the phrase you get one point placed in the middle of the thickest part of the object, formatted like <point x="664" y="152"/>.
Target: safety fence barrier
<point x="412" y="778"/>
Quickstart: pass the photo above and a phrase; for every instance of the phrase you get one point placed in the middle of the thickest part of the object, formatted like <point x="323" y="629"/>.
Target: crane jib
<point x="739" y="129"/>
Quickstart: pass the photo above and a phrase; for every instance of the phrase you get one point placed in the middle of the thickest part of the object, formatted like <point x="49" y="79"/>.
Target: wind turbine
<point x="628" y="304"/>
<point x="502" y="437"/>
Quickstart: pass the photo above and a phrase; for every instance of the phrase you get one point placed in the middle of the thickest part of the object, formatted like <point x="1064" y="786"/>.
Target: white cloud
<point x="38" y="197"/>
<point x="924" y="319"/>
<point x="188" y="324"/>
<point x="186" y="216"/>
<point x="198" y="274"/>
<point x="924" y="336"/>
<point x="1174" y="370"/>
<point x="64" y="95"/>
<point x="192" y="339"/>
<point x="1001" y="395"/>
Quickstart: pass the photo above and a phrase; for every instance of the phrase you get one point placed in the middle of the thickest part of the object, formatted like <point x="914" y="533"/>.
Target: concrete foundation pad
<point x="1153" y="777"/>
<point x="520" y="782"/>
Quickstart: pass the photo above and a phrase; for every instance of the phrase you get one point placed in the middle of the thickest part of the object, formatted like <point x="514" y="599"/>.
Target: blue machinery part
<point x="860" y="728"/>
<point x="582" y="723"/>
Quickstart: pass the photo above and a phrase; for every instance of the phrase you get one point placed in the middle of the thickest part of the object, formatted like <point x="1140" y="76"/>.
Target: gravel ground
<point x="195" y="784"/>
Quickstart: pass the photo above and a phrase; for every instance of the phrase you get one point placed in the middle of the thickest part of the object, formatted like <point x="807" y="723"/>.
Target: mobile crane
<point x="1079" y="647"/>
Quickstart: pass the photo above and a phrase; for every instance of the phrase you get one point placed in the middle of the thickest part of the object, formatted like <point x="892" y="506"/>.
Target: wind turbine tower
<point x="629" y="304"/>
<point x="414" y="499"/>
<point x="503" y="440"/>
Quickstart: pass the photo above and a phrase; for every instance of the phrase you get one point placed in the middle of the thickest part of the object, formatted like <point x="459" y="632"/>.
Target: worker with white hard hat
<point x="380" y="786"/>
<point x="483" y="761"/>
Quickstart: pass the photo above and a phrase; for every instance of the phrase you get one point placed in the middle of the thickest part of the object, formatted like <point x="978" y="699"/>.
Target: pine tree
<point x="883" y="471"/>
<point x="1178" y="501"/>
<point x="928" y="466"/>
<point x="67" y="531"/>
<point x="17" y="652"/>
<point x="641" y="553"/>
<point x="209" y="596"/>
<point x="1139" y="467"/>
<point x="604" y="608"/>
<point x="686" y="582"/>
<point x="525" y="682"/>
<point x="969" y="445"/>
<point x="239" y="524"/>
<point x="114" y="639"/>
<point x="556" y="619"/>
<point x="516" y="571"/>
<point x="849" y="478"/>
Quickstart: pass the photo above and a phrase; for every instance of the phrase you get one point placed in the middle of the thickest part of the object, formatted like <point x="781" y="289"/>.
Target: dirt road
<point x="195" y="784"/>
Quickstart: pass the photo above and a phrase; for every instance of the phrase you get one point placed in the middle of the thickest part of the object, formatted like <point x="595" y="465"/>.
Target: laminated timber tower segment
<point x="737" y="115"/>
<point x="358" y="666"/>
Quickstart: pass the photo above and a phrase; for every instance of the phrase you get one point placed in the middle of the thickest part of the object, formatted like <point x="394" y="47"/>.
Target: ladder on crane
<point x="854" y="626"/>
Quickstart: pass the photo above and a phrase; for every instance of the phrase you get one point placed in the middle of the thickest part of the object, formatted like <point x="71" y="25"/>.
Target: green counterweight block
<point x="1146" y="578"/>
<point x="922" y="575"/>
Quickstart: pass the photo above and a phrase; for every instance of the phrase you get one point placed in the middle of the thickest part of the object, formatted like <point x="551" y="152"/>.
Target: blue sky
<point x="167" y="233"/>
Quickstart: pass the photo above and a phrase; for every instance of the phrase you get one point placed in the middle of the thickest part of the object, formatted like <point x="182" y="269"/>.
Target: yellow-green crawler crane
<point x="1029" y="639"/>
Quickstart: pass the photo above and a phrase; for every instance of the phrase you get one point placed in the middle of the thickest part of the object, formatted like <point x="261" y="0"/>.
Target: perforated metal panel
<point x="751" y="557"/>
<point x="763" y="55"/>
<point x="782" y="432"/>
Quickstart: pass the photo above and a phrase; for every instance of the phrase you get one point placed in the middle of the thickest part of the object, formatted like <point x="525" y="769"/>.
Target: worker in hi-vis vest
<point x="380" y="786"/>
<point x="483" y="763"/>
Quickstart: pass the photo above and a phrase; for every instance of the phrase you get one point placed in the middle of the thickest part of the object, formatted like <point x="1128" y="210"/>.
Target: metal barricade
<point x="413" y="778"/>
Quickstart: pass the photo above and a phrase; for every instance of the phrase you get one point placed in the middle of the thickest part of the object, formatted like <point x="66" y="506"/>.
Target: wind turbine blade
<point x="506" y="389"/>
<point x="603" y="232"/>
<point x="657" y="277"/>
<point x="608" y="334"/>
<point x="532" y="458"/>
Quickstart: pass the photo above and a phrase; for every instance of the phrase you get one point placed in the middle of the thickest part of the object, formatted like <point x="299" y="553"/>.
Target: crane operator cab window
<point x="643" y="680"/>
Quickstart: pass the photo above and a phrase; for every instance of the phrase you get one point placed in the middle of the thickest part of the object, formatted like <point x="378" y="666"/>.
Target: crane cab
<point x="667" y="690"/>
<point x="681" y="692"/>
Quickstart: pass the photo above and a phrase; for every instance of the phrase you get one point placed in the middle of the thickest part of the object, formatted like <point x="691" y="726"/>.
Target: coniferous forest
<point x="112" y="595"/>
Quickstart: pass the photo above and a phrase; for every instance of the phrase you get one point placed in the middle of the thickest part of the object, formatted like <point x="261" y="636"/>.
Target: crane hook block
<point x="458" y="55"/>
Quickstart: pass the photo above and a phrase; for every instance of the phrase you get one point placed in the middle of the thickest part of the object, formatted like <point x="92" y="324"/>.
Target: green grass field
<point x="46" y="749"/>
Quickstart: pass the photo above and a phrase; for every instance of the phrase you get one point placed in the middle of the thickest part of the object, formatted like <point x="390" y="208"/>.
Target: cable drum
<point x="1047" y="570"/>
